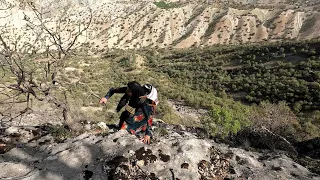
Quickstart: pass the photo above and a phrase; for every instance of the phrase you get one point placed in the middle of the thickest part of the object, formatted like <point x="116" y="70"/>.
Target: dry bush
<point x="278" y="118"/>
<point x="35" y="57"/>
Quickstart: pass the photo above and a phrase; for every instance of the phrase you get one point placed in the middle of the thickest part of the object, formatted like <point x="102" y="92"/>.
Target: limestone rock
<point x="11" y="131"/>
<point x="120" y="155"/>
<point x="103" y="126"/>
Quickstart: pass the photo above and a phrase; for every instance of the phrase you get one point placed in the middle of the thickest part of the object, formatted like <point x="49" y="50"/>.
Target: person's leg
<point x="124" y="115"/>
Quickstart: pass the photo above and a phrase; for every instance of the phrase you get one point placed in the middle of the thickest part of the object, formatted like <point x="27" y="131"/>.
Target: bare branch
<point x="51" y="36"/>
<point x="81" y="31"/>
<point x="4" y="44"/>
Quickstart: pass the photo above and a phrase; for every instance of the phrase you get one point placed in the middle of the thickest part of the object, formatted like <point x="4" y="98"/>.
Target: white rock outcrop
<point x="176" y="154"/>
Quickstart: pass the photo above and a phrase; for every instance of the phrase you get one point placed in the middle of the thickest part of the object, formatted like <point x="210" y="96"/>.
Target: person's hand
<point x="103" y="100"/>
<point x="146" y="139"/>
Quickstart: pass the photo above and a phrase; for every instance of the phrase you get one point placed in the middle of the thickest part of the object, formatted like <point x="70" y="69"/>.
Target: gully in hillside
<point x="139" y="102"/>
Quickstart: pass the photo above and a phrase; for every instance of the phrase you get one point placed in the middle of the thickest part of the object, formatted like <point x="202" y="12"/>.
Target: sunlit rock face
<point x="175" y="152"/>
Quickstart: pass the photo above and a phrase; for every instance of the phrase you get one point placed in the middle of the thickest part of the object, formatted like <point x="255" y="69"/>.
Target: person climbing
<point x="139" y="102"/>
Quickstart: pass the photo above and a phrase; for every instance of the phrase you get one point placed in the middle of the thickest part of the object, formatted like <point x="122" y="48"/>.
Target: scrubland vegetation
<point x="219" y="78"/>
<point x="275" y="85"/>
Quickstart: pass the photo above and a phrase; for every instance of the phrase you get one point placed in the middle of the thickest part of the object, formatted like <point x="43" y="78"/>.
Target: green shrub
<point x="60" y="132"/>
<point x="223" y="121"/>
<point x="164" y="5"/>
<point x="171" y="118"/>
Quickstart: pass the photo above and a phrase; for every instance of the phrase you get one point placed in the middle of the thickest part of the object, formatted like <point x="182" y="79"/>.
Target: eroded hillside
<point x="139" y="24"/>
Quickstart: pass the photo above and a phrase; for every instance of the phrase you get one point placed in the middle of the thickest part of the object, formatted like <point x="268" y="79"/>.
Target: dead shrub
<point x="278" y="118"/>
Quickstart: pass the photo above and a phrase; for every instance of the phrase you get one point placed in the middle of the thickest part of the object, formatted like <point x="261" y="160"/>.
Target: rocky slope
<point x="138" y="24"/>
<point x="176" y="152"/>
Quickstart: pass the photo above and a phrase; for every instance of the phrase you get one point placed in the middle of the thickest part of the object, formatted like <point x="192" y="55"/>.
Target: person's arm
<point x="104" y="99"/>
<point x="115" y="90"/>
